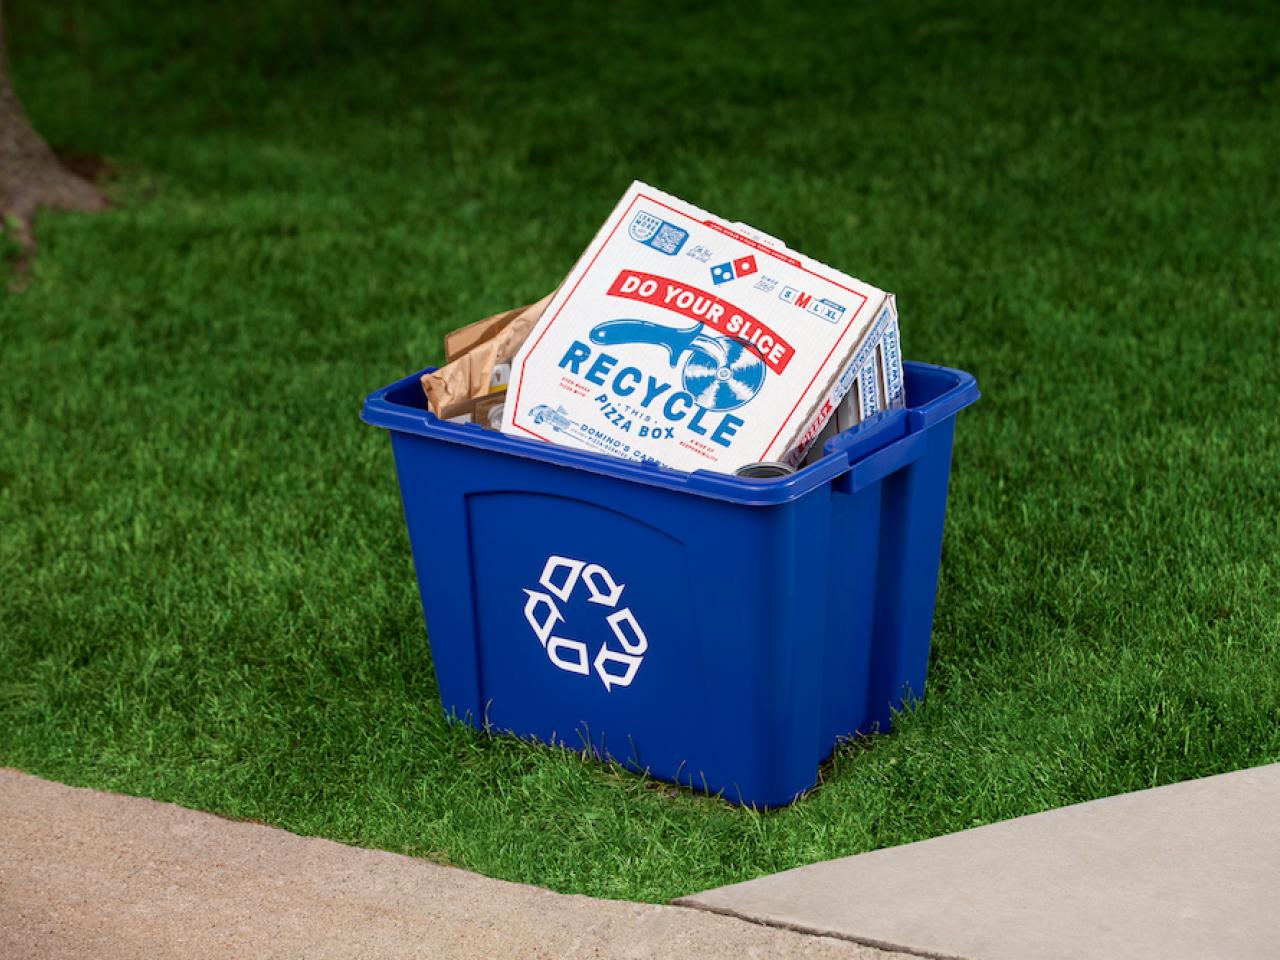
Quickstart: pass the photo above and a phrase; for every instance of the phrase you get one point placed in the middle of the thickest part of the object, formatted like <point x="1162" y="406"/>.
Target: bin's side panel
<point x="913" y="513"/>
<point x="802" y="631"/>
<point x="431" y="476"/>
<point x="851" y="603"/>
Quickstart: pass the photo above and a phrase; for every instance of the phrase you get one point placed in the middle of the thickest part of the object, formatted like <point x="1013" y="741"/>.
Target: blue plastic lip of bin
<point x="401" y="406"/>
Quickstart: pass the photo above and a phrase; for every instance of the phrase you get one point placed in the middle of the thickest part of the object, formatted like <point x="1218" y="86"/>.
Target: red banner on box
<point x="706" y="308"/>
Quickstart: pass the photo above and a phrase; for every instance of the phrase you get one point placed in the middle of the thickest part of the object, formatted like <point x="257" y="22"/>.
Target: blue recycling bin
<point x="720" y="632"/>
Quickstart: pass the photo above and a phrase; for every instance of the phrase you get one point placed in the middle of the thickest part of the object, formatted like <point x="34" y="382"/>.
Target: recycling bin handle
<point x="883" y="462"/>
<point x="877" y="447"/>
<point x="868" y="436"/>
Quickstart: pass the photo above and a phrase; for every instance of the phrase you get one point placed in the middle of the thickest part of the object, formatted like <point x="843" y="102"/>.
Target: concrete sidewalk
<point x="1185" y="872"/>
<point x="95" y="875"/>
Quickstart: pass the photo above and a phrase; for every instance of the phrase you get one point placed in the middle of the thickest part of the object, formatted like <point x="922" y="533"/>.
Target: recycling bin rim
<point x="401" y="406"/>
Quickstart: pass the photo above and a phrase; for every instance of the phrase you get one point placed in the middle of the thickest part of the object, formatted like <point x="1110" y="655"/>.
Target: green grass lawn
<point x="208" y="595"/>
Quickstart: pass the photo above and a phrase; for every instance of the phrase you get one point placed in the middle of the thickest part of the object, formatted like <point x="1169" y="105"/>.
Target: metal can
<point x="764" y="470"/>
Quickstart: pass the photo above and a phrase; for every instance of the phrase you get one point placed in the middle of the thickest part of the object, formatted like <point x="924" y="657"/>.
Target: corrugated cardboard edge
<point x="844" y="380"/>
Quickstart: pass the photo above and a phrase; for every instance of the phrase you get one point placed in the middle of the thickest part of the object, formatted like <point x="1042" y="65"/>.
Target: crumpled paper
<point x="472" y="352"/>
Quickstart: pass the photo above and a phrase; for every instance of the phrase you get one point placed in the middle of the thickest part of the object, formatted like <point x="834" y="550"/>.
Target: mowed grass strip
<point x="207" y="592"/>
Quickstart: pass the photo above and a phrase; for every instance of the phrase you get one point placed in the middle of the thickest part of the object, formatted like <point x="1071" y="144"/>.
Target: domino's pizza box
<point x="688" y="341"/>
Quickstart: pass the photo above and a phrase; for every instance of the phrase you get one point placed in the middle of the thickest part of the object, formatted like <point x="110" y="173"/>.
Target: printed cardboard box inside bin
<point x="478" y="364"/>
<point x="634" y="355"/>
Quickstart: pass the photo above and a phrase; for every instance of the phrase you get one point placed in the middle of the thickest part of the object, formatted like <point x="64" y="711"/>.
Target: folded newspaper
<point x="688" y="341"/>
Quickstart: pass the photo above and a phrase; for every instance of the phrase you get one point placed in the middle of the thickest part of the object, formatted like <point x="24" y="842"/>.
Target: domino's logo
<point x="732" y="270"/>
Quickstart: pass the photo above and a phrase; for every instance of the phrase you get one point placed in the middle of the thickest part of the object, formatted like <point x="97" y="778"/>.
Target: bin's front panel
<point x="587" y="633"/>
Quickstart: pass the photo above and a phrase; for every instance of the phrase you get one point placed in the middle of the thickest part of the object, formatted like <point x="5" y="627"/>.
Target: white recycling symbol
<point x="615" y="668"/>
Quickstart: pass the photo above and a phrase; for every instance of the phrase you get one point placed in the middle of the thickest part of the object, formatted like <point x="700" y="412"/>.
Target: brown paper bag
<point x="460" y="341"/>
<point x="477" y="411"/>
<point x="472" y="353"/>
